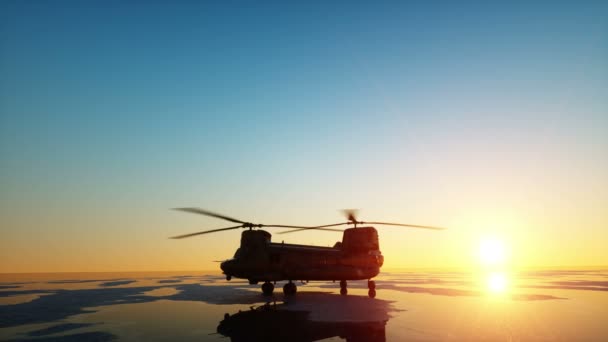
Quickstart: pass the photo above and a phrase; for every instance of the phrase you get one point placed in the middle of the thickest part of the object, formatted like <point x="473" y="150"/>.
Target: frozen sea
<point x="533" y="305"/>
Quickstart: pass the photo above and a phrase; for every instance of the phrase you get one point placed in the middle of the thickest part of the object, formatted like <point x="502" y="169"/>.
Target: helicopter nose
<point x="226" y="266"/>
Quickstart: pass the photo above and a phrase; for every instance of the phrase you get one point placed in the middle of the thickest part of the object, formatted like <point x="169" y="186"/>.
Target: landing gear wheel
<point x="371" y="285"/>
<point x="290" y="289"/>
<point x="267" y="288"/>
<point x="343" y="290"/>
<point x="228" y="277"/>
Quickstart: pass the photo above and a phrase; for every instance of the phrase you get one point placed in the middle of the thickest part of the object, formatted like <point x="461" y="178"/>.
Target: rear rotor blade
<point x="205" y="232"/>
<point x="311" y="228"/>
<point x="331" y="225"/>
<point x="404" y="225"/>
<point x="208" y="213"/>
<point x="351" y="214"/>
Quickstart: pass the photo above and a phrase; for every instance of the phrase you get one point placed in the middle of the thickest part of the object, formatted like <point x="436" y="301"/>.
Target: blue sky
<point x="290" y="110"/>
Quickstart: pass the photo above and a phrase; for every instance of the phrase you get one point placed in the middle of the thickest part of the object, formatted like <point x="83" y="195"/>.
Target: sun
<point x="491" y="252"/>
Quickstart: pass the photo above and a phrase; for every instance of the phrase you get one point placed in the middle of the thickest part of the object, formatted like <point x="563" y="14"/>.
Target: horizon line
<point x="436" y="268"/>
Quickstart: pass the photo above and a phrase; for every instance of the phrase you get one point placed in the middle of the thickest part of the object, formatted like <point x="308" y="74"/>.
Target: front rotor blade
<point x="283" y="226"/>
<point x="208" y="213"/>
<point x="205" y="232"/>
<point x="404" y="225"/>
<point x="311" y="228"/>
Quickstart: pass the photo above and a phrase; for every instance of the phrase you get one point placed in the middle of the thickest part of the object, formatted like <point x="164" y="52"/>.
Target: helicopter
<point x="356" y="257"/>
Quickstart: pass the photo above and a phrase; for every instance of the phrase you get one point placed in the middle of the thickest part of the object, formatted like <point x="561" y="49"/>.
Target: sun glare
<point x="491" y="252"/>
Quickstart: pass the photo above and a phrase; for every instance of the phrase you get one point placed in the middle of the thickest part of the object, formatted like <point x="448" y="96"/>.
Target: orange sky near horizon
<point x="140" y="247"/>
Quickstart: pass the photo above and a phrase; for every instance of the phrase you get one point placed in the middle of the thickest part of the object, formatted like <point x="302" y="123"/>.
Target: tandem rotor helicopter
<point x="356" y="257"/>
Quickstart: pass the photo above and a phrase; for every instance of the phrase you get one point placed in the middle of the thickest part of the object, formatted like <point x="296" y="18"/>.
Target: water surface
<point x="539" y="305"/>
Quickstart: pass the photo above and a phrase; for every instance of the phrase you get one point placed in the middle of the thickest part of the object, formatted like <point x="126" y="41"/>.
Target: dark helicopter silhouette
<point x="356" y="257"/>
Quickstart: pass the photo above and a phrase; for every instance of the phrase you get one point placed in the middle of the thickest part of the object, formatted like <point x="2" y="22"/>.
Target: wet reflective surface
<point x="541" y="305"/>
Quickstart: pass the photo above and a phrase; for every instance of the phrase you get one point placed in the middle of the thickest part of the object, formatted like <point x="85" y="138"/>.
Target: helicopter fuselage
<point x="357" y="257"/>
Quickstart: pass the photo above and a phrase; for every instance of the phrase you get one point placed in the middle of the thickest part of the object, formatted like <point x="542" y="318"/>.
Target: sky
<point x="488" y="119"/>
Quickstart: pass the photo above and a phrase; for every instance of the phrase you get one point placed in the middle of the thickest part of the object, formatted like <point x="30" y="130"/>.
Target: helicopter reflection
<point x="272" y="322"/>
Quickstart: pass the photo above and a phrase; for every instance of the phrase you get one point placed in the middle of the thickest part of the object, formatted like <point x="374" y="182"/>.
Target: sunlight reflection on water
<point x="497" y="282"/>
<point x="162" y="292"/>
